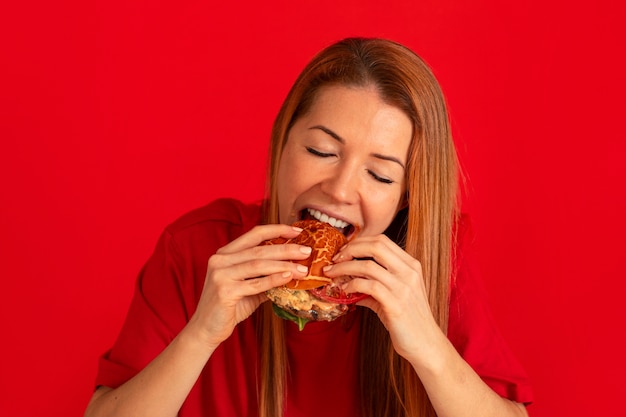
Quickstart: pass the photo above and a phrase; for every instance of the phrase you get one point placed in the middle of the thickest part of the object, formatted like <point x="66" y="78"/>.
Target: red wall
<point x="118" y="116"/>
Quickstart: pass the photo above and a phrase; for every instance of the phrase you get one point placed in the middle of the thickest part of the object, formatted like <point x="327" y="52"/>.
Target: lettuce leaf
<point x="283" y="314"/>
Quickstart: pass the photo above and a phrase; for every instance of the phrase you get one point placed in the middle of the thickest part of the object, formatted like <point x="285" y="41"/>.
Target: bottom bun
<point x="303" y="304"/>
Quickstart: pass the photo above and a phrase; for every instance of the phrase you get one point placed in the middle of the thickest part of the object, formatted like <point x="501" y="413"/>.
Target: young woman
<point x="362" y="139"/>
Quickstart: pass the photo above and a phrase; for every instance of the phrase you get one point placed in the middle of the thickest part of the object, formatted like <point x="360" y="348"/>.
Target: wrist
<point x="198" y="338"/>
<point x="437" y="359"/>
<point x="432" y="352"/>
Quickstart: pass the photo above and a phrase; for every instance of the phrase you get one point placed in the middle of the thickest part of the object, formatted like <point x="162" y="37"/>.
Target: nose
<point x="342" y="184"/>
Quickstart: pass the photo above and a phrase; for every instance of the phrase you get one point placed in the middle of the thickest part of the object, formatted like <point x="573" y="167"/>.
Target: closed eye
<point x="318" y="153"/>
<point x="379" y="178"/>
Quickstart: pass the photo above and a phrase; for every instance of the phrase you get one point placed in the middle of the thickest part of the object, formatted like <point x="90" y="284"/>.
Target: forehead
<point x="335" y="96"/>
<point x="358" y="112"/>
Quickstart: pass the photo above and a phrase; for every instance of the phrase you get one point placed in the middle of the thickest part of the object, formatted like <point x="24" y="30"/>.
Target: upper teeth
<point x="327" y="219"/>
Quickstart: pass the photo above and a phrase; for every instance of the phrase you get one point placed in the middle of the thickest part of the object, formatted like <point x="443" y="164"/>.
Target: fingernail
<point x="297" y="229"/>
<point x="327" y="268"/>
<point x="306" y="250"/>
<point x="286" y="274"/>
<point x="302" y="268"/>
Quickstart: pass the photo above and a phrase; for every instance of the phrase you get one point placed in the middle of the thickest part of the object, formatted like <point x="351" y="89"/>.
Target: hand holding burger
<point x="314" y="297"/>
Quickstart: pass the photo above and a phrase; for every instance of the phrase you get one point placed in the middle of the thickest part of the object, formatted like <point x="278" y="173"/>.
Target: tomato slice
<point x="334" y="294"/>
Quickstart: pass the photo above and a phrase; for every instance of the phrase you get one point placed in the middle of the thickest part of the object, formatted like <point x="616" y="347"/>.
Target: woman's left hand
<point x="395" y="283"/>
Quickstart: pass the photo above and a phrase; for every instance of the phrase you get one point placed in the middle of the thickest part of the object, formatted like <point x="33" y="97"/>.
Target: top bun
<point x="325" y="241"/>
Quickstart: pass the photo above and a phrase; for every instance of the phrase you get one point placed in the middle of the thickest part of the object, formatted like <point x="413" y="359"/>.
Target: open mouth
<point x="344" y="227"/>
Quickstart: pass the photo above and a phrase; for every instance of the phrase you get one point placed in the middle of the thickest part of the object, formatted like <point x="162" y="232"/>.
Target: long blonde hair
<point x="389" y="385"/>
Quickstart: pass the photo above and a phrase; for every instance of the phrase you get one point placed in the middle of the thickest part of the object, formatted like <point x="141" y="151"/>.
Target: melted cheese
<point x="303" y="304"/>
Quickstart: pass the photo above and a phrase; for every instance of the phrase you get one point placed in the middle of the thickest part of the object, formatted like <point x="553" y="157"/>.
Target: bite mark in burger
<point x="314" y="297"/>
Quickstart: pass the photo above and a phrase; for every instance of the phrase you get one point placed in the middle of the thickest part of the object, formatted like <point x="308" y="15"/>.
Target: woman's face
<point x="344" y="161"/>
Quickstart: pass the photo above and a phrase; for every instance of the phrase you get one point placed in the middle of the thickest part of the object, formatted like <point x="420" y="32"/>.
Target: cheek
<point x="287" y="176"/>
<point x="386" y="199"/>
<point x="295" y="173"/>
<point x="383" y="207"/>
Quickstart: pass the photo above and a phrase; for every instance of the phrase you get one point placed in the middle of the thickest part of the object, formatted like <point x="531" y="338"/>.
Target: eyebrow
<point x="342" y="141"/>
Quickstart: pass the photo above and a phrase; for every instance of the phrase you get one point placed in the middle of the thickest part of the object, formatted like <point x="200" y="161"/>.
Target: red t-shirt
<point x="169" y="287"/>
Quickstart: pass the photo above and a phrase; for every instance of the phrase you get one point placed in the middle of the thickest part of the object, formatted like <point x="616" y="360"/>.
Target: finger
<point x="365" y="247"/>
<point x="259" y="234"/>
<point x="286" y="252"/>
<point x="256" y="268"/>
<point x="371" y="257"/>
<point x="367" y="278"/>
<point x="382" y="298"/>
<point x="378" y="259"/>
<point x="378" y="293"/>
<point x="381" y="249"/>
<point x="365" y="268"/>
<point x="254" y="286"/>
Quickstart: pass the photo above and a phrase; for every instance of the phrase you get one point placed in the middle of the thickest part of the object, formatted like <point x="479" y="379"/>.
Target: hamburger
<point x="314" y="297"/>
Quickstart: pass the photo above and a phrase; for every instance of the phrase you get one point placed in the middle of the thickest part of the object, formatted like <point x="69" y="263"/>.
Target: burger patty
<point x="302" y="303"/>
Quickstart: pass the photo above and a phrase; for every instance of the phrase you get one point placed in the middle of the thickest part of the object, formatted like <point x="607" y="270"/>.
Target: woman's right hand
<point x="236" y="279"/>
<point x="238" y="276"/>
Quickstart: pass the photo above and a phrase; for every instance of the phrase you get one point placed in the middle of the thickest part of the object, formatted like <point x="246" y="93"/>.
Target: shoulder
<point x="224" y="212"/>
<point x="213" y="225"/>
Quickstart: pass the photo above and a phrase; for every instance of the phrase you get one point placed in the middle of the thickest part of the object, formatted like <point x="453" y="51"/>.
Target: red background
<point x="118" y="116"/>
